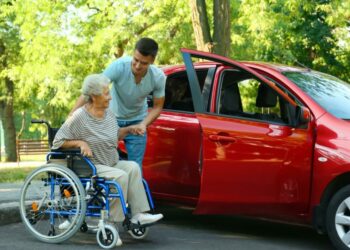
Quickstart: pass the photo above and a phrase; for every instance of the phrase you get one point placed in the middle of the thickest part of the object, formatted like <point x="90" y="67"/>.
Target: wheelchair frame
<point x="52" y="193"/>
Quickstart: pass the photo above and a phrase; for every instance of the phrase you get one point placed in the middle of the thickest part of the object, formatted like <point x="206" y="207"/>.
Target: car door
<point x="254" y="162"/>
<point x="171" y="164"/>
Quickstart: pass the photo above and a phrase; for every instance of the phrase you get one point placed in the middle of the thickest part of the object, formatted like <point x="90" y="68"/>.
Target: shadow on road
<point x="295" y="235"/>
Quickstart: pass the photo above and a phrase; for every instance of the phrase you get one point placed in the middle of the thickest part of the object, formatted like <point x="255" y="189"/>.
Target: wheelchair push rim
<point x="50" y="195"/>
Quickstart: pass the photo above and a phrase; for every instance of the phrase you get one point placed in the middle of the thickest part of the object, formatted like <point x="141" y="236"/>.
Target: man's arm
<point x="80" y="102"/>
<point x="140" y="128"/>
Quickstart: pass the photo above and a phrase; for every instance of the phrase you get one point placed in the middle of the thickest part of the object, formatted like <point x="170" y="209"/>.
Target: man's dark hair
<point x="147" y="47"/>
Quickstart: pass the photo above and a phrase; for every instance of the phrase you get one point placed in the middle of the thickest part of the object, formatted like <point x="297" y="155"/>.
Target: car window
<point x="244" y="96"/>
<point x="328" y="91"/>
<point x="178" y="95"/>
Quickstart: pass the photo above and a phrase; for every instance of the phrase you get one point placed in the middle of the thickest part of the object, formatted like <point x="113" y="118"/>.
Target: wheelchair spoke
<point x="49" y="198"/>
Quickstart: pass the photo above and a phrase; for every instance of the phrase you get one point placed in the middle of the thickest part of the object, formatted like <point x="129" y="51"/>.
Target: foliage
<point x="314" y="33"/>
<point x="60" y="42"/>
<point x="52" y="45"/>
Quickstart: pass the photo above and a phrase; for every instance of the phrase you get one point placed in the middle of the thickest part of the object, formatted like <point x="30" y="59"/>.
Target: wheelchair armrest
<point x="67" y="150"/>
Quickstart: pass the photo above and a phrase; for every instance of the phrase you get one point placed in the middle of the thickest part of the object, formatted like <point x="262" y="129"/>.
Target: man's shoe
<point x="119" y="242"/>
<point x="145" y="218"/>
<point x="64" y="225"/>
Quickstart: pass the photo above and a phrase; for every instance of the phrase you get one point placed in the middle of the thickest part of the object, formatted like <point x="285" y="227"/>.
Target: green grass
<point x="17" y="174"/>
<point x="28" y="158"/>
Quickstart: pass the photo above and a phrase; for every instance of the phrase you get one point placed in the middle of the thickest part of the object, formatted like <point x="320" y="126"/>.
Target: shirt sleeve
<point x="114" y="70"/>
<point x="159" y="90"/>
<point x="68" y="131"/>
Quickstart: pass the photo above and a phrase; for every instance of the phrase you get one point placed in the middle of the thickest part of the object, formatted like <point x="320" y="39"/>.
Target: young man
<point x="133" y="79"/>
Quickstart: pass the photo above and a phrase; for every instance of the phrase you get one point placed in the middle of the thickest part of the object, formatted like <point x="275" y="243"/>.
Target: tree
<point x="299" y="32"/>
<point x="52" y="45"/>
<point x="220" y="41"/>
<point x="9" y="44"/>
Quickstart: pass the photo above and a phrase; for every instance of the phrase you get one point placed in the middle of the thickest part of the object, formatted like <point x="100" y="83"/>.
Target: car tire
<point x="338" y="219"/>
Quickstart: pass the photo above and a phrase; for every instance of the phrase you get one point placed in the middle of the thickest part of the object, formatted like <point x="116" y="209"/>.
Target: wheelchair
<point x="54" y="193"/>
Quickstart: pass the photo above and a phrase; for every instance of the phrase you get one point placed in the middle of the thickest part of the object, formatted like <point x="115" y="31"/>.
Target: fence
<point x="31" y="147"/>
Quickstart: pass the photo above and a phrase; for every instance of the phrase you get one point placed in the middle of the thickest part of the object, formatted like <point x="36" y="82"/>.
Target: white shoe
<point x="64" y="225"/>
<point x="119" y="242"/>
<point x="145" y="218"/>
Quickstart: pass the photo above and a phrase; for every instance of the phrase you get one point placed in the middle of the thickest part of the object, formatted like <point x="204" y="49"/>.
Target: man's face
<point x="140" y="63"/>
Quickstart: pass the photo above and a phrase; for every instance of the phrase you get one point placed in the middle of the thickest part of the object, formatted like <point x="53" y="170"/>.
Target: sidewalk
<point x="9" y="193"/>
<point x="21" y="164"/>
<point x="9" y="200"/>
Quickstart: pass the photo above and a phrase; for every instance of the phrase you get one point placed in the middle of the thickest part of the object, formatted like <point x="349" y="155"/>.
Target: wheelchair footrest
<point x="132" y="226"/>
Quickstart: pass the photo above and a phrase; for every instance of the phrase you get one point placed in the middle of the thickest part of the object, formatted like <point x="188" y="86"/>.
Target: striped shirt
<point x="100" y="134"/>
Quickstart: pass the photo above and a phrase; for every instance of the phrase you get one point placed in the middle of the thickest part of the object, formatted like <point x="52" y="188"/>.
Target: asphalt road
<point x="182" y="230"/>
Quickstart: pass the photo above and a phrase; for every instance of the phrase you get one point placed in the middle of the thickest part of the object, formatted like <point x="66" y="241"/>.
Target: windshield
<point x="328" y="91"/>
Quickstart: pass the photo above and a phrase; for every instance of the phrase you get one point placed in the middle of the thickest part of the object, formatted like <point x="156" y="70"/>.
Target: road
<point x="182" y="230"/>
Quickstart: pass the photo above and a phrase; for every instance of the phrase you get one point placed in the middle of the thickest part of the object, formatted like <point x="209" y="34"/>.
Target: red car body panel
<point x="263" y="165"/>
<point x="332" y="145"/>
<point x="171" y="159"/>
<point x="227" y="165"/>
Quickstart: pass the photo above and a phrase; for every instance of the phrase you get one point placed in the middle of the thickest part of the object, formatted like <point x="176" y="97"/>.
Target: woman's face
<point x="102" y="101"/>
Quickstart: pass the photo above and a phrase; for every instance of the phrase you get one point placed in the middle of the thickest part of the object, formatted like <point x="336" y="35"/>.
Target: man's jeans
<point x="135" y="144"/>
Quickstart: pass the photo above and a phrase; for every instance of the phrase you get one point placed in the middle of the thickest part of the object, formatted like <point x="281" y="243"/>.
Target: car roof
<point x="251" y="64"/>
<point x="274" y="66"/>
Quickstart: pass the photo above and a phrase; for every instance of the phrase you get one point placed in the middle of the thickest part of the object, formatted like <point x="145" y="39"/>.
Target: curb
<point x="9" y="213"/>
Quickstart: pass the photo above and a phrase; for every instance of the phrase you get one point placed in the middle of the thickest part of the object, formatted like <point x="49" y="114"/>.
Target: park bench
<point x="31" y="147"/>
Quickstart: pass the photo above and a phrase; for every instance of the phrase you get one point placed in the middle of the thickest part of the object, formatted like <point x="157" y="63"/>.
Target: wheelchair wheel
<point x="139" y="233"/>
<point x="51" y="195"/>
<point x="111" y="237"/>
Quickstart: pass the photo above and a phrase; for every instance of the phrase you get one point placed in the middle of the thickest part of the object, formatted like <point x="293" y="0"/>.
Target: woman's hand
<point x="85" y="149"/>
<point x="138" y="129"/>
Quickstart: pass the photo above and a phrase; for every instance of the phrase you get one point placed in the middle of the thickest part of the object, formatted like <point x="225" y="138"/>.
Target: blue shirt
<point x="129" y="100"/>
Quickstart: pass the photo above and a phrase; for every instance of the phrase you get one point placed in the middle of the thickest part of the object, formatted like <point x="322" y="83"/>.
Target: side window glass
<point x="178" y="95"/>
<point x="259" y="98"/>
<point x="244" y="96"/>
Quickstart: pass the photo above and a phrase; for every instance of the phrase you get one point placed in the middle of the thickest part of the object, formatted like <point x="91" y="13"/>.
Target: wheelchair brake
<point x="90" y="187"/>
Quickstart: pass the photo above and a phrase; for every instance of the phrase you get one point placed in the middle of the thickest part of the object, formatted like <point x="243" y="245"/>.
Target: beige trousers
<point x="128" y="175"/>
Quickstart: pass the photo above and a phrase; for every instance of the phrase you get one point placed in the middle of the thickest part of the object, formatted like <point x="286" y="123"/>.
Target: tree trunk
<point x="222" y="27"/>
<point x="7" y="120"/>
<point x="6" y="110"/>
<point x="201" y="25"/>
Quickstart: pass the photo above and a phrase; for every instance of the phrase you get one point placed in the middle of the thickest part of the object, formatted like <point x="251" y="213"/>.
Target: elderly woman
<point x="93" y="128"/>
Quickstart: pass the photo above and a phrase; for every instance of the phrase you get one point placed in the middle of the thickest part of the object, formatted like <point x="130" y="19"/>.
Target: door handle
<point x="221" y="138"/>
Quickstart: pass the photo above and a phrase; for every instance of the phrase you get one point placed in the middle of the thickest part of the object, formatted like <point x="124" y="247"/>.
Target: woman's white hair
<point x="93" y="85"/>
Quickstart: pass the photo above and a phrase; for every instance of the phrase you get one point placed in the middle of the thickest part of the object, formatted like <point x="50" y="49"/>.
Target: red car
<point x="254" y="139"/>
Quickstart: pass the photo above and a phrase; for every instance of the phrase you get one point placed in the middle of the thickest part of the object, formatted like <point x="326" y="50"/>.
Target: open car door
<point x="250" y="164"/>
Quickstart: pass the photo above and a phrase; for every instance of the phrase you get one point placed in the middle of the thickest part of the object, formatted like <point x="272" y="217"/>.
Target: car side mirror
<point x="302" y="116"/>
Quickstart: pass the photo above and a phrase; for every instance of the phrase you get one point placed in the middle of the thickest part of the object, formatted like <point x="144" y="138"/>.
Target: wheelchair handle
<point x="41" y="122"/>
<point x="37" y="121"/>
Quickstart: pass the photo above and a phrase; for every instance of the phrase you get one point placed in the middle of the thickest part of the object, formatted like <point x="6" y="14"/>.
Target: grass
<point x="28" y="158"/>
<point x="16" y="174"/>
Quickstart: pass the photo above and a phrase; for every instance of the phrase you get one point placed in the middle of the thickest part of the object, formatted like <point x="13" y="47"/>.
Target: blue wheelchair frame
<point x="47" y="202"/>
<point x="97" y="182"/>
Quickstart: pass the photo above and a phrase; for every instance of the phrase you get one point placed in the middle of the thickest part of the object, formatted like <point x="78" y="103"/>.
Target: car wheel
<point x="338" y="219"/>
